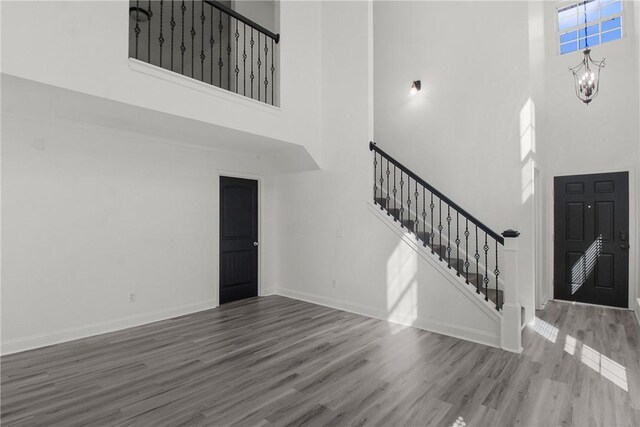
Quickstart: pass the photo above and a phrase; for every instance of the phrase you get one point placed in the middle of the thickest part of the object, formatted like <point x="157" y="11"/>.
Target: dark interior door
<point x="591" y="248"/>
<point x="238" y="239"/>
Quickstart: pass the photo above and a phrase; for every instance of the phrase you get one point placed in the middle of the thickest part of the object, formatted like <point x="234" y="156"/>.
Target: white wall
<point x="376" y="273"/>
<point x="466" y="132"/>
<point x="573" y="138"/>
<point x="262" y="12"/>
<point x="90" y="214"/>
<point x="83" y="46"/>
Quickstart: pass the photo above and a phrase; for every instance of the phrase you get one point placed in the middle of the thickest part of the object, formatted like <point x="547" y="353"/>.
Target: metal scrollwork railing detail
<point x="219" y="50"/>
<point x="453" y="235"/>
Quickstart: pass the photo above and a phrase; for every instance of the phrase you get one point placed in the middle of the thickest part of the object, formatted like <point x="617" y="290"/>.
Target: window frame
<point x="598" y="21"/>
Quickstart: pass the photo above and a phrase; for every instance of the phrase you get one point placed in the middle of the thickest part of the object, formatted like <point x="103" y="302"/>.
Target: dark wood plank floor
<point x="277" y="361"/>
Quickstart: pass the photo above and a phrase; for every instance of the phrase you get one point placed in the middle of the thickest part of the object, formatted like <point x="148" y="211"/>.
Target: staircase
<point x="458" y="264"/>
<point x="458" y="240"/>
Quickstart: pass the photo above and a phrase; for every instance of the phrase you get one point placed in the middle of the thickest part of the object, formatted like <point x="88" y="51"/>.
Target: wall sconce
<point x="415" y="87"/>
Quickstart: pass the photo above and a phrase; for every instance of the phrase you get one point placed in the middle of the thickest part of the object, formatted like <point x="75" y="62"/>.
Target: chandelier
<point x="586" y="75"/>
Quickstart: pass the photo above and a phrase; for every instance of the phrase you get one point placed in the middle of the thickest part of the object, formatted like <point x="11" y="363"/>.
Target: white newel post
<point x="511" y="321"/>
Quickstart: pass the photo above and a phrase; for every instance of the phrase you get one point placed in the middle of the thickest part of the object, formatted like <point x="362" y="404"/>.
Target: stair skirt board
<point x="440" y="249"/>
<point x="455" y="331"/>
<point x="468" y="290"/>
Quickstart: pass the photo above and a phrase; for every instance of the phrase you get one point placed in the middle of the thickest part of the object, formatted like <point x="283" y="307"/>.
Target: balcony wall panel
<point x="83" y="46"/>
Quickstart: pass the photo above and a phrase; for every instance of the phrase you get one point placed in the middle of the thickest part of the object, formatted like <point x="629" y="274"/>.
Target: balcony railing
<point x="209" y="42"/>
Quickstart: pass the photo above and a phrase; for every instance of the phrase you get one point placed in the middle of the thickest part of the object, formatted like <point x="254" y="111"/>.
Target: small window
<point x="589" y="22"/>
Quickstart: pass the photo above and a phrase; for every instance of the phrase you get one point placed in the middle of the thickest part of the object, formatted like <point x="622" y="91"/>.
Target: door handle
<point x="624" y="247"/>
<point x="255" y="243"/>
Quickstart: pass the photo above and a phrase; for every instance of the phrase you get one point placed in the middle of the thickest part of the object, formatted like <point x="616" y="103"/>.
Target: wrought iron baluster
<point x="408" y="201"/>
<point x="220" y="62"/>
<point x="388" y="199"/>
<point x="237" y="70"/>
<point x="202" y="55"/>
<point x="244" y="59"/>
<point x="395" y="191"/>
<point x="212" y="41"/>
<point x="149" y="34"/>
<point x="497" y="274"/>
<point x="229" y="53"/>
<point x="375" y="176"/>
<point x="273" y="82"/>
<point x="251" y="43"/>
<point x="136" y="30"/>
<point x="266" y="79"/>
<point x="183" y="48"/>
<point x="432" y="235"/>
<point x="448" y="236"/>
<point x="440" y="227"/>
<point x="417" y="224"/>
<point x="381" y="181"/>
<point x="161" y="38"/>
<point x="457" y="243"/>
<point x="401" y="198"/>
<point x="172" y="24"/>
<point x="466" y="250"/>
<point x="259" y="63"/>
<point x="424" y="218"/>
<point x="193" y="37"/>
<point x="477" y="257"/>
<point x="486" y="268"/>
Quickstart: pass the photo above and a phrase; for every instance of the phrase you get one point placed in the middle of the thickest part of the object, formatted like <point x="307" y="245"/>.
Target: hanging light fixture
<point x="586" y="75"/>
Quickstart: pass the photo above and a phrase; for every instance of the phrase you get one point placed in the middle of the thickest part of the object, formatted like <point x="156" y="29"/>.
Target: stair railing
<point x="206" y="41"/>
<point x="403" y="193"/>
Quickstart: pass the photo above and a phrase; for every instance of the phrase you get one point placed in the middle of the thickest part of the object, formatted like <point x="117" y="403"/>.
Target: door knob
<point x="624" y="247"/>
<point x="255" y="243"/>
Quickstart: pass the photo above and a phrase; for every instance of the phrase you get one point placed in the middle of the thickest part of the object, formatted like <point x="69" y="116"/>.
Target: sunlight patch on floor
<point x="613" y="371"/>
<point x="610" y="369"/>
<point x="544" y="329"/>
<point x="570" y="345"/>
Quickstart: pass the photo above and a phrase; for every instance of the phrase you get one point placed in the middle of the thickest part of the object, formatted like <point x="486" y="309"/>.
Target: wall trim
<point x="468" y="334"/>
<point x="71" y="334"/>
<point x="637" y="310"/>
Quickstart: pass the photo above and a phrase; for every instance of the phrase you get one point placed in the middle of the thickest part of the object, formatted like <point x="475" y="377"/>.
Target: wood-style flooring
<point x="277" y="361"/>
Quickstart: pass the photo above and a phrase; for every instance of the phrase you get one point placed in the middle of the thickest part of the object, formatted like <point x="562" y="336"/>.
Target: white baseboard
<point x="464" y="333"/>
<point x="70" y="334"/>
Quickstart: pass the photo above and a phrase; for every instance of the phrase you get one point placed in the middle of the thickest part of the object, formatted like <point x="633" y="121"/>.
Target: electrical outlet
<point x="334" y="283"/>
<point x="132" y="297"/>
<point x="340" y="233"/>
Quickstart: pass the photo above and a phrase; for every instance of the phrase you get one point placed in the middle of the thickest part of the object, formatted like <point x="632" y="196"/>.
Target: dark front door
<point x="591" y="248"/>
<point x="238" y="239"/>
